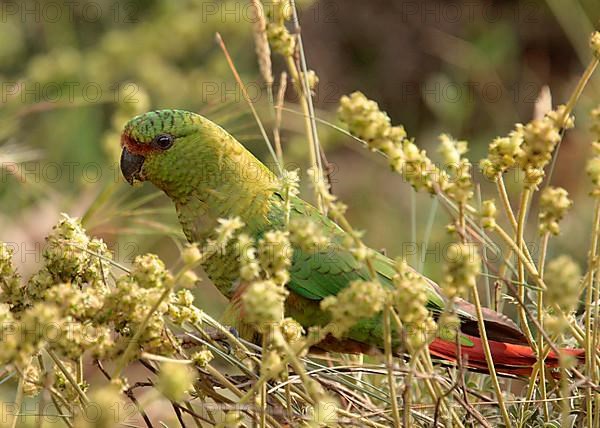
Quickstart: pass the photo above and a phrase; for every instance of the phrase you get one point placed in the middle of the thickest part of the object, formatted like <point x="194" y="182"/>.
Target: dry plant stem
<point x="505" y="201"/>
<point x="263" y="389"/>
<point x="64" y="418"/>
<point x="313" y="153"/>
<point x="248" y="100"/>
<point x="583" y="81"/>
<point x="575" y="95"/>
<point x="278" y="107"/>
<point x="590" y="353"/>
<point x="425" y="365"/>
<point x="595" y="328"/>
<point x="263" y="50"/>
<point x="488" y="358"/>
<point x="292" y="359"/>
<point x="523" y="206"/>
<point x="389" y="363"/>
<point x="235" y="390"/>
<point x="551" y="345"/>
<point x="188" y="405"/>
<point x="540" y="338"/>
<point x="128" y="393"/>
<point x="84" y="399"/>
<point x="408" y="390"/>
<point x="305" y="84"/>
<point x="530" y="267"/>
<point x="18" y="401"/>
<point x="434" y="391"/>
<point x="52" y="394"/>
<point x="364" y="420"/>
<point x="565" y="408"/>
<point x="45" y="393"/>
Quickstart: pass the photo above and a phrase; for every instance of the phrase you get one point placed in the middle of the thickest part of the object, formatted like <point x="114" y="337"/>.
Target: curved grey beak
<point x="131" y="166"/>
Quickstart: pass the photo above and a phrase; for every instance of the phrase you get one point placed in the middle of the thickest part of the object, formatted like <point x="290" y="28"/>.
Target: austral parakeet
<point x="209" y="175"/>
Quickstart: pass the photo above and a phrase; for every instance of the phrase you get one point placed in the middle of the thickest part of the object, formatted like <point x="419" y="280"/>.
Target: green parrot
<point x="209" y="175"/>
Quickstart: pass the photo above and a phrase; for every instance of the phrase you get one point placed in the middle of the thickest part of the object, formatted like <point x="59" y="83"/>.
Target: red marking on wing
<point x="508" y="358"/>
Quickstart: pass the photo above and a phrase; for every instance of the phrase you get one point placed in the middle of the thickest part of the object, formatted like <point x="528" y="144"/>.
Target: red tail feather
<point x="508" y="359"/>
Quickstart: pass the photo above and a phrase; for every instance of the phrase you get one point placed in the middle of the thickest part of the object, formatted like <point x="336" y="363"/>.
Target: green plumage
<point x="209" y="175"/>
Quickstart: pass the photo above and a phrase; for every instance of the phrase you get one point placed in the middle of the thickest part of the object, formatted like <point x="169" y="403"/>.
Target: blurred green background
<point x="72" y="73"/>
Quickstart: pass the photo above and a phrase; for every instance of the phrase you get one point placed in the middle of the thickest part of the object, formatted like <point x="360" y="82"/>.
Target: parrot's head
<point x="180" y="151"/>
<point x="158" y="142"/>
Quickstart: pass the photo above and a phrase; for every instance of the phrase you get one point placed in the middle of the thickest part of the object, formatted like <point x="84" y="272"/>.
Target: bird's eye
<point x="163" y="141"/>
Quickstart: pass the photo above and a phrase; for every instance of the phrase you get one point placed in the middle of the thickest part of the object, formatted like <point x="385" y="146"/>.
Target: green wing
<point x="324" y="273"/>
<point x="314" y="276"/>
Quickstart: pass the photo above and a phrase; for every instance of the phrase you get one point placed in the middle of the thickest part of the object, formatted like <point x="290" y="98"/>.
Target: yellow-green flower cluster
<point x="451" y="150"/>
<point x="595" y="43"/>
<point x="78" y="337"/>
<point x="460" y="183"/>
<point x="64" y="386"/>
<point x="202" y="358"/>
<point x="503" y="154"/>
<point x="108" y="408"/>
<point x="181" y="308"/>
<point x="274" y="255"/>
<point x="33" y="381"/>
<point x="307" y="235"/>
<point x="224" y="232"/>
<point x="175" y="380"/>
<point x="11" y="289"/>
<point x="70" y="256"/>
<point x="312" y="79"/>
<point x="554" y="204"/>
<point x="360" y="300"/>
<point x="150" y="272"/>
<point x="420" y="171"/>
<point x="290" y="183"/>
<point x="291" y="330"/>
<point x="488" y="214"/>
<point x="126" y="308"/>
<point x="22" y="338"/>
<point x="461" y="269"/>
<point x="410" y="299"/>
<point x="71" y="309"/>
<point x="593" y="165"/>
<point x="265" y="270"/>
<point x="263" y="304"/>
<point x="272" y="365"/>
<point x="366" y="121"/>
<point x="540" y="137"/>
<point x="563" y="281"/>
<point x="280" y="39"/>
<point x="61" y="302"/>
<point x="336" y="208"/>
<point x="191" y="254"/>
<point x="529" y="147"/>
<point x="249" y="267"/>
<point x="593" y="168"/>
<point x="232" y="419"/>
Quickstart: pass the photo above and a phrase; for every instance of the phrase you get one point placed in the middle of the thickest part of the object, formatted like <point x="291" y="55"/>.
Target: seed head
<point x="359" y="300"/>
<point x="554" y="204"/>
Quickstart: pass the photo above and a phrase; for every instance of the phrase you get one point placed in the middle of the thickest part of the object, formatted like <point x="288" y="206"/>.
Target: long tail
<point x="509" y="359"/>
